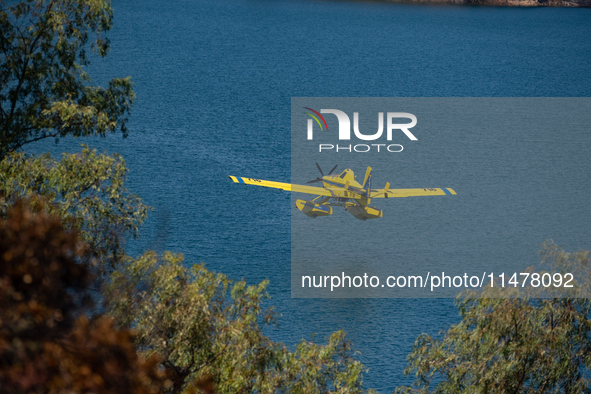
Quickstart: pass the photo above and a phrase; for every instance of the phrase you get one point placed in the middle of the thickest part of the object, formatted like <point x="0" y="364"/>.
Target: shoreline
<point x="502" y="3"/>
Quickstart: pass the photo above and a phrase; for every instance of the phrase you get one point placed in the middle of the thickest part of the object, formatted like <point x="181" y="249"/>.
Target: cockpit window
<point x="343" y="174"/>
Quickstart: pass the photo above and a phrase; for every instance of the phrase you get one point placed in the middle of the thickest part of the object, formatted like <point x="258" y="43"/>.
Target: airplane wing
<point x="291" y="187"/>
<point x="388" y="193"/>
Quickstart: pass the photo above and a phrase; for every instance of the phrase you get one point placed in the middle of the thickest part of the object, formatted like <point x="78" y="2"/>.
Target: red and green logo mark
<point x="316" y="116"/>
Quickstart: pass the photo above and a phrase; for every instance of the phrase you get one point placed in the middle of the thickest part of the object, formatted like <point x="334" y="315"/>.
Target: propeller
<point x="322" y="173"/>
<point x="319" y="169"/>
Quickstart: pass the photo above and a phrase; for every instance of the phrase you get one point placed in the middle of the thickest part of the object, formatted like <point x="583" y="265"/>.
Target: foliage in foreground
<point x="46" y="346"/>
<point x="43" y="85"/>
<point x="86" y="190"/>
<point x="512" y="345"/>
<point x="207" y="327"/>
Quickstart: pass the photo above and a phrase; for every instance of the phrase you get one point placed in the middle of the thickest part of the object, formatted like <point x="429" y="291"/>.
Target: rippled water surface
<point x="214" y="80"/>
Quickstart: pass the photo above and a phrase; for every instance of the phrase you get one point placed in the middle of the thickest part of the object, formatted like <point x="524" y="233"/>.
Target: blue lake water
<point x="214" y="81"/>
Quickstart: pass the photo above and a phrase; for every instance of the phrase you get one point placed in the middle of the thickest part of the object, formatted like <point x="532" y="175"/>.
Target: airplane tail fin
<point x="367" y="181"/>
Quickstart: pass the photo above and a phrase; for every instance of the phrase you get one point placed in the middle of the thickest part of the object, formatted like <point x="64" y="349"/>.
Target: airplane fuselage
<point x="345" y="187"/>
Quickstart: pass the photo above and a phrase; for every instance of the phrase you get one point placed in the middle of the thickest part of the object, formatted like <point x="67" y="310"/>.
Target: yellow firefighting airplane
<point x="344" y="191"/>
